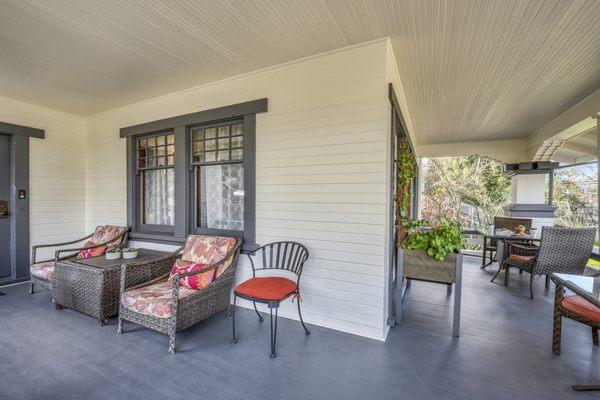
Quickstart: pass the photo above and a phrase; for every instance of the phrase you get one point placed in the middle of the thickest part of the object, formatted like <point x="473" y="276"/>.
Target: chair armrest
<point x="40" y="246"/>
<point x="146" y="272"/>
<point x="522" y="247"/>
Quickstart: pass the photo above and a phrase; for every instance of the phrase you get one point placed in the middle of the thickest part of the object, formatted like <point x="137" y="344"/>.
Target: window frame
<point x="137" y="179"/>
<point x="185" y="215"/>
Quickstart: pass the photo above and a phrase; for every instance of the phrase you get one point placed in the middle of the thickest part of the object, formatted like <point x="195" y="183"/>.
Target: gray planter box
<point x="418" y="265"/>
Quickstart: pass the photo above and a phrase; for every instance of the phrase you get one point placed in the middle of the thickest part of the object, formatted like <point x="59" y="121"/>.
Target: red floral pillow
<point x="92" y="252"/>
<point x="197" y="281"/>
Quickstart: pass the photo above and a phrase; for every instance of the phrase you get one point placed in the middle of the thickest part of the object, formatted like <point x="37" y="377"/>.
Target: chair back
<point x="286" y="256"/>
<point x="564" y="250"/>
<point x="114" y="234"/>
<point x="209" y="250"/>
<point x="510" y="223"/>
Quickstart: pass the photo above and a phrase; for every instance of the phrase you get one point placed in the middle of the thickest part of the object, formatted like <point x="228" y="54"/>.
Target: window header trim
<point x="215" y="114"/>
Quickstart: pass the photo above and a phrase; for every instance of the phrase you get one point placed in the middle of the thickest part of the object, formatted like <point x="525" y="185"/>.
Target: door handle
<point x="3" y="209"/>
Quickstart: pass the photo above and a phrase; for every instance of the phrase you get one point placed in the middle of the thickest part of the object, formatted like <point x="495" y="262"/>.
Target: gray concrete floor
<point x="503" y="353"/>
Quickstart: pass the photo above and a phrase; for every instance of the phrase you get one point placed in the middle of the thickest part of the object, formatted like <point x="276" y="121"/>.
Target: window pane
<point x="224" y="131"/>
<point x="223" y="155"/>
<point x="236" y="129"/>
<point x="211" y="145"/>
<point x="209" y="133"/>
<point x="210" y="156"/>
<point x="159" y="196"/>
<point x="237" y="154"/>
<point x="222" y="196"/>
<point x="171" y="138"/>
<point x="151" y="141"/>
<point x="224" y="143"/>
<point x="160" y="140"/>
<point x="237" y="141"/>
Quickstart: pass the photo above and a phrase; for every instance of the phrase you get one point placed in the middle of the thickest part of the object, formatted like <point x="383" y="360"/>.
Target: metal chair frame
<point x="285" y="256"/>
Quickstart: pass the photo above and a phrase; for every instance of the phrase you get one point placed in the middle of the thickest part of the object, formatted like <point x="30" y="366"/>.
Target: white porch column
<point x="528" y="198"/>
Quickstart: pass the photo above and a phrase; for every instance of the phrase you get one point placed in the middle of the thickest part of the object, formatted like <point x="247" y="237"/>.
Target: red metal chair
<point x="272" y="290"/>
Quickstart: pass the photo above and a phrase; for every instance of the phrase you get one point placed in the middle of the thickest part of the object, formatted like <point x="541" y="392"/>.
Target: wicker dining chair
<point x="41" y="272"/>
<point x="510" y="223"/>
<point x="576" y="308"/>
<point x="161" y="304"/>
<point x="561" y="250"/>
<point x="279" y="257"/>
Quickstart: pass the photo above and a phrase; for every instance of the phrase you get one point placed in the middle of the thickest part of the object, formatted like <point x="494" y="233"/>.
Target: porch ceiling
<point x="471" y="70"/>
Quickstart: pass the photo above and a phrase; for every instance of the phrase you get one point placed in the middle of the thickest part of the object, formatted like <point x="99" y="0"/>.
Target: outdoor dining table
<point x="587" y="287"/>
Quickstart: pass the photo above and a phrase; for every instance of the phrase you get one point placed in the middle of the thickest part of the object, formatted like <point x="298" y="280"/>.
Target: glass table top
<point x="589" y="286"/>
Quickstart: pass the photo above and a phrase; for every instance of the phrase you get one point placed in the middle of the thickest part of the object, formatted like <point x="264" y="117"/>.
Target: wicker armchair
<point x="161" y="304"/>
<point x="491" y="245"/>
<point x="41" y="271"/>
<point x="561" y="250"/>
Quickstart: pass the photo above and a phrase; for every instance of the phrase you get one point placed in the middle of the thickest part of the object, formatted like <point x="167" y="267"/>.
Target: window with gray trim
<point x="218" y="175"/>
<point x="207" y="161"/>
<point x="155" y="168"/>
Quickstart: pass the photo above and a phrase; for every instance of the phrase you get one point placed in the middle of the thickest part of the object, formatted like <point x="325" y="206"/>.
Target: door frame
<point x="19" y="208"/>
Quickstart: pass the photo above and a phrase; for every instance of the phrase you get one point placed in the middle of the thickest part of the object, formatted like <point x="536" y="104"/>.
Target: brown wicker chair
<point x="561" y="250"/>
<point x="41" y="271"/>
<point x="575" y="308"/>
<point x="172" y="308"/>
<point x="510" y="223"/>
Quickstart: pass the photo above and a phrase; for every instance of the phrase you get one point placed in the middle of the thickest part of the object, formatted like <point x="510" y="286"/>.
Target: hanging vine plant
<point x="406" y="171"/>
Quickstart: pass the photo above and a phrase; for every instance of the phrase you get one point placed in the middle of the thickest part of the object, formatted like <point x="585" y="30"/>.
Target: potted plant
<point x="113" y="254"/>
<point x="431" y="254"/>
<point x="130" y="252"/>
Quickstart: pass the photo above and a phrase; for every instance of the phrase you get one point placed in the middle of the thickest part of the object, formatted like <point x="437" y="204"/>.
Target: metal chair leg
<point x="595" y="336"/>
<point x="260" y="319"/>
<point x="532" y="286"/>
<point x="31" y="288"/>
<point x="306" y="331"/>
<point x="234" y="340"/>
<point x="273" y="331"/>
<point x="547" y="281"/>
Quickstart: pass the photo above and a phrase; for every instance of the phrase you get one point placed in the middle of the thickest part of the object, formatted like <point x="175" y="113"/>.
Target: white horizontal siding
<point x="56" y="172"/>
<point x="320" y="174"/>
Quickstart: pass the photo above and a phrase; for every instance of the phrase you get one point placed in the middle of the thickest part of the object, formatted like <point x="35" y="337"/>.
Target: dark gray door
<point x="5" y="269"/>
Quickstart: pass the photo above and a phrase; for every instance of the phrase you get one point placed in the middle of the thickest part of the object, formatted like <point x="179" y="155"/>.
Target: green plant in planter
<point x="438" y="241"/>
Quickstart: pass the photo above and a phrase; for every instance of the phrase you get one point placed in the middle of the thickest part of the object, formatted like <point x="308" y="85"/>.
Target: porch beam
<point x="504" y="150"/>
<point x="572" y="122"/>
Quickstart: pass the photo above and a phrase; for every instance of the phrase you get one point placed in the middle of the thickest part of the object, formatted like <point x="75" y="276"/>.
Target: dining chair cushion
<point x="153" y="300"/>
<point x="267" y="288"/>
<point x="521" y="258"/>
<point x="196" y="282"/>
<point x="580" y="306"/>
<point x="43" y="270"/>
<point x="104" y="233"/>
<point x="208" y="250"/>
<point x="91" y="252"/>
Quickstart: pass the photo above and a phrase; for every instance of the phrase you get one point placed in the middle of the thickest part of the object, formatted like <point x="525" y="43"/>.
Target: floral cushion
<point x="88" y="253"/>
<point x="195" y="282"/>
<point x="208" y="250"/>
<point x="43" y="270"/>
<point x="154" y="300"/>
<point x="107" y="232"/>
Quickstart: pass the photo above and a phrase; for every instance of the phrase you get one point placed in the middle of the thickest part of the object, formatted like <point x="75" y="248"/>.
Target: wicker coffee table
<point x="91" y="286"/>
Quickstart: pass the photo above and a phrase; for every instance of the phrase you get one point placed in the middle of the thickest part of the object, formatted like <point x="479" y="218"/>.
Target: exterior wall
<point x="321" y="173"/>
<point x="56" y="168"/>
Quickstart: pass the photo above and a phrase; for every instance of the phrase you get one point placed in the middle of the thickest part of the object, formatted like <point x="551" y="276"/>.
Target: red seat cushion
<point x="520" y="258"/>
<point x="580" y="306"/>
<point x="269" y="288"/>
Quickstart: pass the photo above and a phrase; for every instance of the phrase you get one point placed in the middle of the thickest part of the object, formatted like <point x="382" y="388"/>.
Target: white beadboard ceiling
<point x="471" y="70"/>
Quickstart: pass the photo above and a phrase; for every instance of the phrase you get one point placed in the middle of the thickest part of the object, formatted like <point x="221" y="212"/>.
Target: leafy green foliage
<point x="406" y="167"/>
<point x="438" y="241"/>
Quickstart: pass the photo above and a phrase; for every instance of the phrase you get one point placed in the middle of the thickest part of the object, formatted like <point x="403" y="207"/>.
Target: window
<point x="218" y="167"/>
<point x="193" y="174"/>
<point x="156" y="183"/>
